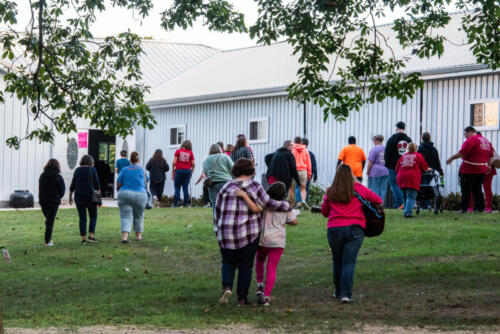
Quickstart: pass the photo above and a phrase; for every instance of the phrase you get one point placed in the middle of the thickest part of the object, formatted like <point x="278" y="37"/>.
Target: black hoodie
<point x="431" y="155"/>
<point x="392" y="152"/>
<point x="51" y="187"/>
<point x="281" y="164"/>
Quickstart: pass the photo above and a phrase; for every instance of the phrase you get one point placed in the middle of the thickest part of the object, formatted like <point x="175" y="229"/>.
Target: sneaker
<point x="346" y="300"/>
<point x="224" y="299"/>
<point x="84" y="241"/>
<point x="408" y="216"/>
<point x="488" y="210"/>
<point x="124" y="241"/>
<point x="260" y="289"/>
<point x="50" y="244"/>
<point x="298" y="205"/>
<point x="243" y="302"/>
<point x="263" y="300"/>
<point x="92" y="239"/>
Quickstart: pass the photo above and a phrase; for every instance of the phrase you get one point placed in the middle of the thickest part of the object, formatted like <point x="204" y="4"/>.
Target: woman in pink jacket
<point x="346" y="222"/>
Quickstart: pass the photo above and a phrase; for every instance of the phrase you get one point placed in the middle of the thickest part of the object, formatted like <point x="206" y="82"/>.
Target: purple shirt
<point x="234" y="224"/>
<point x="377" y="157"/>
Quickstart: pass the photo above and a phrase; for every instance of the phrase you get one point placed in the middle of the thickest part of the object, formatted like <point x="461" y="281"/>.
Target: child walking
<point x="272" y="243"/>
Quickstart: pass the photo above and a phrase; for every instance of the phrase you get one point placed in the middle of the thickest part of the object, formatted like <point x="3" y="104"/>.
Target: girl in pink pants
<point x="272" y="243"/>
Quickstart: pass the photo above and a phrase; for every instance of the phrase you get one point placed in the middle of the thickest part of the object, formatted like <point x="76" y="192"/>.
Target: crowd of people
<point x="250" y="221"/>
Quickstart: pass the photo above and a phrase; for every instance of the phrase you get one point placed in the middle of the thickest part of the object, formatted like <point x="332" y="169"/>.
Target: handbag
<point x="95" y="196"/>
<point x="208" y="181"/>
<point x="375" y="217"/>
<point x="149" y="201"/>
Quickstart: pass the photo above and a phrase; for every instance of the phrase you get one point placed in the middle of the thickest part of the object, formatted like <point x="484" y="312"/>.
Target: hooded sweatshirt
<point x="395" y="148"/>
<point x="302" y="159"/>
<point x="281" y="165"/>
<point x="431" y="155"/>
<point x="51" y="187"/>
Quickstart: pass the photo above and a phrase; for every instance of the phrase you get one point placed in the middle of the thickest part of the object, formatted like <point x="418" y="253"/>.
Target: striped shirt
<point x="234" y="224"/>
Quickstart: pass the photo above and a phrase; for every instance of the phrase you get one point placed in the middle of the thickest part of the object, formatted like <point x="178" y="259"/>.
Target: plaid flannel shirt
<point x="234" y="224"/>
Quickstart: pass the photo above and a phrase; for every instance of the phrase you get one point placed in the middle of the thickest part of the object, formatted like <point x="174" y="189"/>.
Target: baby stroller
<point x="430" y="189"/>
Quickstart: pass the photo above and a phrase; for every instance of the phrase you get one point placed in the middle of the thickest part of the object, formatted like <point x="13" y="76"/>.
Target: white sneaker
<point x="224" y="299"/>
<point x="346" y="300"/>
<point x="50" y="244"/>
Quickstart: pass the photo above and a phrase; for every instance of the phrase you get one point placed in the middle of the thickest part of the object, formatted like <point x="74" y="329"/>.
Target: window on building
<point x="177" y="134"/>
<point x="258" y="130"/>
<point x="484" y="115"/>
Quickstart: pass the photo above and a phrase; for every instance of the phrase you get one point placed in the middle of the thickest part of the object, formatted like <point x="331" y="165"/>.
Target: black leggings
<point x="49" y="211"/>
<point x="157" y="189"/>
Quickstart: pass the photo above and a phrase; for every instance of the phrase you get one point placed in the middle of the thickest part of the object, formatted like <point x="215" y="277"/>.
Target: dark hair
<point x="229" y="148"/>
<point x="469" y="129"/>
<point x="54" y="164"/>
<point x="287" y="143"/>
<point x="401" y="125"/>
<point x="342" y="188"/>
<point x="305" y="141"/>
<point x="426" y="137"/>
<point x="243" y="166"/>
<point x="277" y="191"/>
<point x="221" y="144"/>
<point x="297" y="140"/>
<point x="379" y="138"/>
<point x="186" y="144"/>
<point x="134" y="157"/>
<point x="158" y="157"/>
<point x="241" y="142"/>
<point x="479" y="133"/>
<point x="351" y="140"/>
<point x="87" y="160"/>
<point x="123" y="153"/>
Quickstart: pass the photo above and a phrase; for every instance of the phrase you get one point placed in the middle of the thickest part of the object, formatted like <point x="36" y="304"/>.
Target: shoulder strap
<point x="367" y="204"/>
<point x="91" y="179"/>
<point x="215" y="164"/>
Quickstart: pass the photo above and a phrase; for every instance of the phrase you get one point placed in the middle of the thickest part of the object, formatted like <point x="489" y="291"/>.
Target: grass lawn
<point x="434" y="271"/>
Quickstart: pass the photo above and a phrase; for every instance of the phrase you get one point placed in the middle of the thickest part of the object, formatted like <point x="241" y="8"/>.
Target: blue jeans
<point x="131" y="205"/>
<point x="397" y="194"/>
<point x="82" y="208"/>
<point x="410" y="196"/>
<point x="379" y="185"/>
<point x="345" y="242"/>
<point x="181" y="179"/>
<point x="298" y="196"/>
<point x="213" y="191"/>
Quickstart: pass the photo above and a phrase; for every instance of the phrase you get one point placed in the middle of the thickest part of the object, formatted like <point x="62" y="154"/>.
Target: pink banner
<point x="82" y="140"/>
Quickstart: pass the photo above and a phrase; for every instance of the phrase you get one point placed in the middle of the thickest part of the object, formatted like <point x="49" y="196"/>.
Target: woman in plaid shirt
<point x="237" y="224"/>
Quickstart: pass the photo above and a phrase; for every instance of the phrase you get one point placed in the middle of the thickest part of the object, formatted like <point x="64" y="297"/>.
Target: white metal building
<point x="20" y="169"/>
<point x="206" y="95"/>
<point x="243" y="91"/>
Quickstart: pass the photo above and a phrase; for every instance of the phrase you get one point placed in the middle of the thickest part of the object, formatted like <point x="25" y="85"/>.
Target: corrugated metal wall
<point x="19" y="169"/>
<point x="445" y="114"/>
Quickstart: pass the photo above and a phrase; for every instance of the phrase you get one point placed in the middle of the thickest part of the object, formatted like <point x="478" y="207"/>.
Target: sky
<point x="115" y="20"/>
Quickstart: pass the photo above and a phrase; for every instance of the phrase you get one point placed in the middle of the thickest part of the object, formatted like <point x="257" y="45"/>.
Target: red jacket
<point x="340" y="214"/>
<point x="409" y="169"/>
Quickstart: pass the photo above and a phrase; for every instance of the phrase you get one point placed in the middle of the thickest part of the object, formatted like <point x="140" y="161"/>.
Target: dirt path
<point x="237" y="329"/>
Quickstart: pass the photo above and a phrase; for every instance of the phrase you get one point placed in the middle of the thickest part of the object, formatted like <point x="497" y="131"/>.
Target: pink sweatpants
<point x="273" y="256"/>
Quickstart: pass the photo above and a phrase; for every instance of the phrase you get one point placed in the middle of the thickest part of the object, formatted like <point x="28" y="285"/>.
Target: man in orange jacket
<point x="304" y="169"/>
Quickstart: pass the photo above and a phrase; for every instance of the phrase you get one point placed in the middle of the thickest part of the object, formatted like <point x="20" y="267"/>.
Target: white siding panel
<point x="445" y="113"/>
<point x="19" y="169"/>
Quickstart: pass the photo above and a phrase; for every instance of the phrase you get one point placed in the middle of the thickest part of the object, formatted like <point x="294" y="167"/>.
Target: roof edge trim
<point x="448" y="72"/>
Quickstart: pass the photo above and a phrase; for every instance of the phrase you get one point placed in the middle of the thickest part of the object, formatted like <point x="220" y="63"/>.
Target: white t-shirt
<point x="274" y="230"/>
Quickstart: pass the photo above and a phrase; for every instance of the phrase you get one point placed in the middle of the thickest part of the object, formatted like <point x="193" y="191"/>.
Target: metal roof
<point x="160" y="62"/>
<point x="270" y="69"/>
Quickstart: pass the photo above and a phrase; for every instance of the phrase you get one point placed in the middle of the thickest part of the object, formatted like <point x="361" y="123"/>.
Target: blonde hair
<point x="412" y="147"/>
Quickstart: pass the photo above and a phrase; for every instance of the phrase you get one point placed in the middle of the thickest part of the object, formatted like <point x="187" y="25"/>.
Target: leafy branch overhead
<point x="61" y="73"/>
<point x="346" y="60"/>
<point x="64" y="74"/>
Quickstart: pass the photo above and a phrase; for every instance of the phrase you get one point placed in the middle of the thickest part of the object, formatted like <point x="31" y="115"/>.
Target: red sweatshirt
<point x="340" y="214"/>
<point x="409" y="169"/>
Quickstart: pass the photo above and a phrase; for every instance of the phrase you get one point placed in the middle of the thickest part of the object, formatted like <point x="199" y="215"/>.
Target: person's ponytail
<point x="134" y="157"/>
